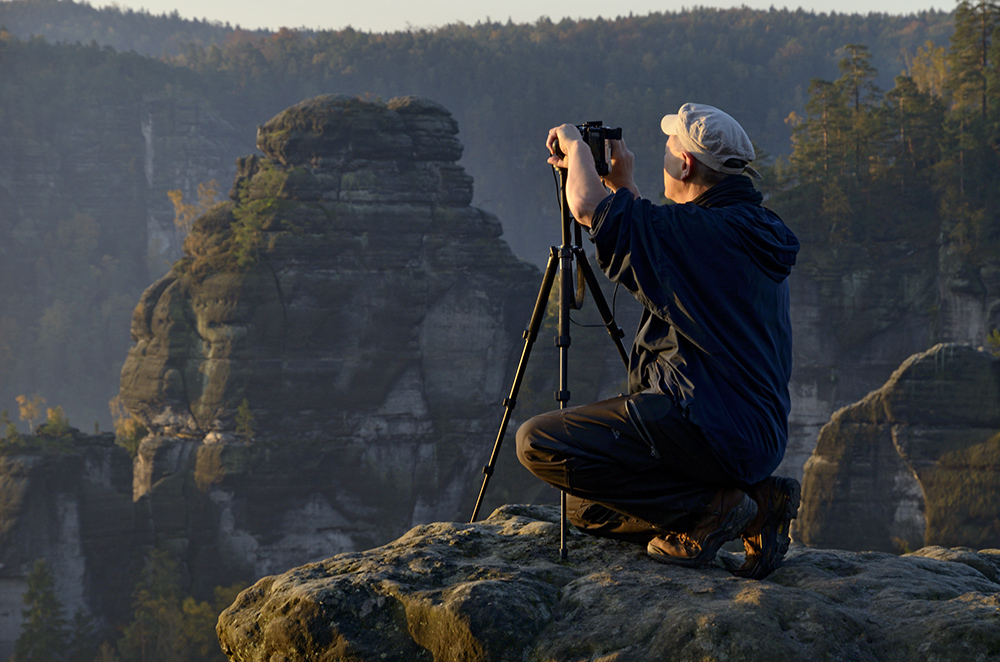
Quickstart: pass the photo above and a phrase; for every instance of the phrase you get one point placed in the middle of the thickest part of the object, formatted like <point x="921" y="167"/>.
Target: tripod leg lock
<point x="562" y="341"/>
<point x="562" y="396"/>
<point x="509" y="403"/>
<point x="488" y="470"/>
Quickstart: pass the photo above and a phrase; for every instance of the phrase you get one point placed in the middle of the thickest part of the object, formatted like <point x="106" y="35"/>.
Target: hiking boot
<point x="766" y="539"/>
<point x="729" y="514"/>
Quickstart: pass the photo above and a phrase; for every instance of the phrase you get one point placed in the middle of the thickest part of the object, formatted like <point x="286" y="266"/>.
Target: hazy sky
<point x="391" y="15"/>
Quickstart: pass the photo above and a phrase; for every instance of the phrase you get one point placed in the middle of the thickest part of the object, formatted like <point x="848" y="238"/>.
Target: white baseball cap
<point x="712" y="137"/>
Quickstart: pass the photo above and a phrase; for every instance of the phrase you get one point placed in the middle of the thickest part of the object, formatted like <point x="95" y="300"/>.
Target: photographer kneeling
<point x="683" y="463"/>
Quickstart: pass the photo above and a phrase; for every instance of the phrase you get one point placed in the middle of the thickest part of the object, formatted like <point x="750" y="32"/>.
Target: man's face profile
<point x="673" y="168"/>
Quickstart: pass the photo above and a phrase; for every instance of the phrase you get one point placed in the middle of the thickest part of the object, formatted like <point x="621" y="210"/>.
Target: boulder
<point x="498" y="591"/>
<point x="914" y="463"/>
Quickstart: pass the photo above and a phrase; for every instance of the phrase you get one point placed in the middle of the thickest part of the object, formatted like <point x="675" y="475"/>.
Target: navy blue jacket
<point x="715" y="334"/>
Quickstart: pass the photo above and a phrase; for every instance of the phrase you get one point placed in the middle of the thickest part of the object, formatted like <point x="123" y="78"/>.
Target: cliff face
<point x="497" y="591"/>
<point x="317" y="370"/>
<point x="73" y="507"/>
<point x="857" y="312"/>
<point x="914" y="463"/>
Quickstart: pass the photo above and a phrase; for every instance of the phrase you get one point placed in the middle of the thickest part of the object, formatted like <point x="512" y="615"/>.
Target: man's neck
<point x="691" y="191"/>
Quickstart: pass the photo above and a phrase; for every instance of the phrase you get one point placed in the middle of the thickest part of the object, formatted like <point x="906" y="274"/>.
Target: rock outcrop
<point x="497" y="591"/>
<point x="323" y="369"/>
<point x="916" y="462"/>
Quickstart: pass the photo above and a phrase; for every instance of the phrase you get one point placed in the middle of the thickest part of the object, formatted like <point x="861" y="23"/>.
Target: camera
<point x="596" y="135"/>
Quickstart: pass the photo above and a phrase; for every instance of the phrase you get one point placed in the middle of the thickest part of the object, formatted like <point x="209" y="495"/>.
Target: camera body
<point x="596" y="135"/>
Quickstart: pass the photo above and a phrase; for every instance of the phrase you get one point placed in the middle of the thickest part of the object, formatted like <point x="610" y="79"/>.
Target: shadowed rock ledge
<point x="496" y="590"/>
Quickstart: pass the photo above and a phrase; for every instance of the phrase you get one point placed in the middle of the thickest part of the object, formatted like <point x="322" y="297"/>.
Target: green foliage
<point x="168" y="625"/>
<point x="118" y="27"/>
<point x="993" y="342"/>
<point x="258" y="210"/>
<point x="228" y="237"/>
<point x="244" y="420"/>
<point x="11" y="434"/>
<point x="129" y="430"/>
<point x="56" y="424"/>
<point x="81" y="645"/>
<point x="43" y="636"/>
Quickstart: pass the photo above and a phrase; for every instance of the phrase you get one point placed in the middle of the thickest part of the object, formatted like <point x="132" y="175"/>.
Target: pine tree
<point x="154" y="633"/>
<point x="864" y="126"/>
<point x="43" y="630"/>
<point x="914" y="118"/>
<point x="972" y="137"/>
<point x="167" y="625"/>
<point x="972" y="55"/>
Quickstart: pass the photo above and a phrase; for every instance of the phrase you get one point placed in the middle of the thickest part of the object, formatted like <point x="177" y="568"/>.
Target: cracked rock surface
<point x="496" y="590"/>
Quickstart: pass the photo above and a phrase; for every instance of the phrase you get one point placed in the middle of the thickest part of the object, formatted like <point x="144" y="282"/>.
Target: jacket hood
<point x="770" y="243"/>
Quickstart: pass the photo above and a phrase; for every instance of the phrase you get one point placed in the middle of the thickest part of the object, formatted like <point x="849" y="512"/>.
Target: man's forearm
<point x="584" y="189"/>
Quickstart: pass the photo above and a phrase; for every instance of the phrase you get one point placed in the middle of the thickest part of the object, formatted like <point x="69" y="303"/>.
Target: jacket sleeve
<point x="641" y="246"/>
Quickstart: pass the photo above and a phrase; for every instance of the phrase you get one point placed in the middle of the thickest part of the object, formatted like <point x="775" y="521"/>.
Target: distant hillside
<point x="66" y="21"/>
<point x="508" y="83"/>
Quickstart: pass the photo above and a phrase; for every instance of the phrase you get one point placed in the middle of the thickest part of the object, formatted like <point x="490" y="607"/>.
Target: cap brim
<point x="669" y="124"/>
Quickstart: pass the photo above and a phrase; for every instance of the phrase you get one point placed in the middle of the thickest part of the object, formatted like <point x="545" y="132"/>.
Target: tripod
<point x="561" y="257"/>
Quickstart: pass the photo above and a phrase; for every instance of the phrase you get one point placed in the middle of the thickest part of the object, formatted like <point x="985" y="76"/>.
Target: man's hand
<point x="584" y="190"/>
<point x="620" y="175"/>
<point x="558" y="144"/>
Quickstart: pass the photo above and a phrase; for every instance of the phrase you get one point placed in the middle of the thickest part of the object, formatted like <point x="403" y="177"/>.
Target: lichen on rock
<point x="497" y="590"/>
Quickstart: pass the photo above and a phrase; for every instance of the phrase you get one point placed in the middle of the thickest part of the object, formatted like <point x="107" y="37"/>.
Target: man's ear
<point x="688" y="167"/>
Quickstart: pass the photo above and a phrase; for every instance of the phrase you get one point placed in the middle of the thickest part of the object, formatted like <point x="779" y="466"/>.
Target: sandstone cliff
<point x="497" y="591"/>
<point x="364" y="317"/>
<point x="69" y="502"/>
<point x="914" y="463"/>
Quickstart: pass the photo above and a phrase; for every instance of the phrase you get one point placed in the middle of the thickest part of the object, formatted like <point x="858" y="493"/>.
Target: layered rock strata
<point x="498" y="591"/>
<point x="323" y="368"/>
<point x="914" y="463"/>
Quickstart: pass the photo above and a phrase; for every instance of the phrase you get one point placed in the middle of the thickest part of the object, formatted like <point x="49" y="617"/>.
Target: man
<point x="683" y="463"/>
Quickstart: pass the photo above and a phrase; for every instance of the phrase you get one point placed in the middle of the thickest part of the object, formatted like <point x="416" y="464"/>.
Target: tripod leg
<point x="583" y="264"/>
<point x="567" y="301"/>
<point x="530" y="334"/>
